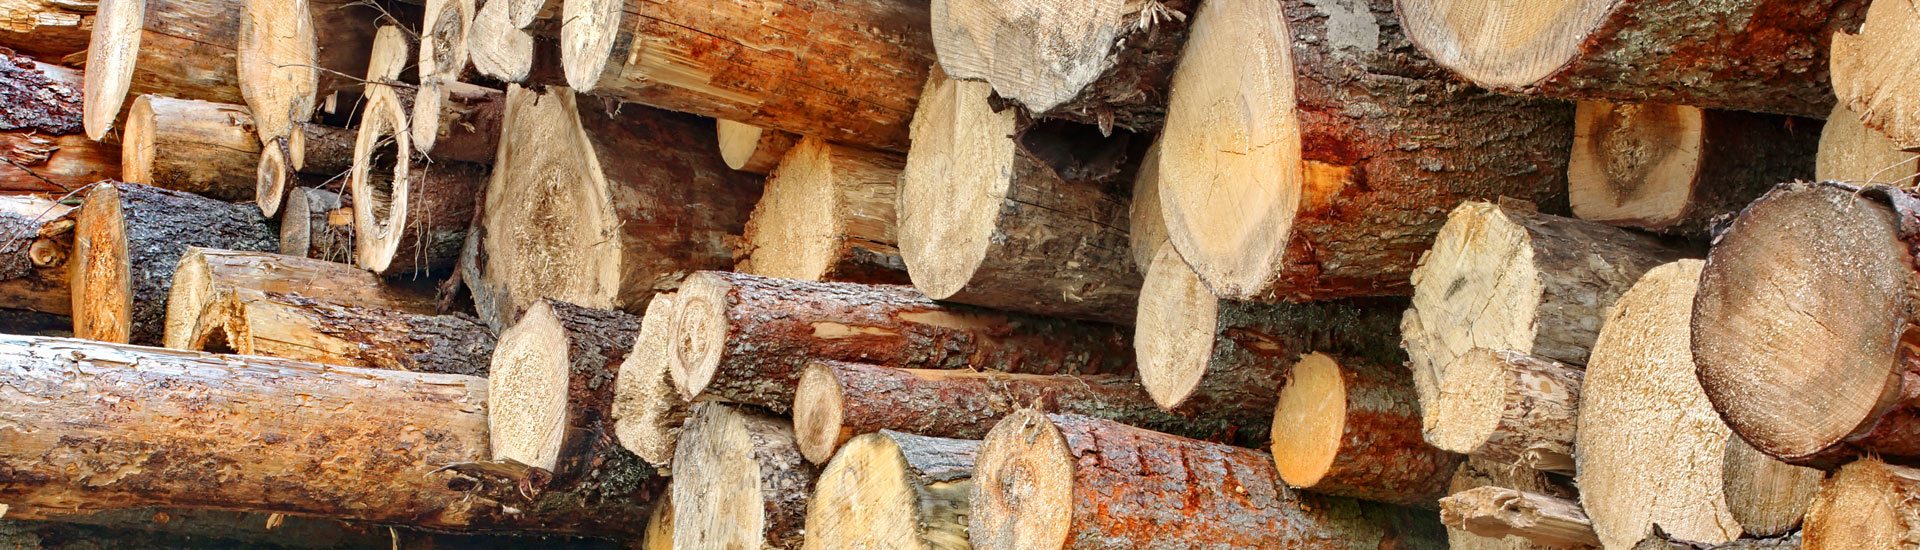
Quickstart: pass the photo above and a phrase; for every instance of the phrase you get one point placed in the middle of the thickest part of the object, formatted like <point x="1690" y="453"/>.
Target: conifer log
<point x="741" y="482"/>
<point x="183" y="49"/>
<point x="893" y="490"/>
<point x="750" y="148"/>
<point x="1351" y="428"/>
<point x="1798" y="327"/>
<point x="410" y="215"/>
<point x="295" y="326"/>
<point x="1500" y="512"/>
<point x="199" y="147"/>
<point x="1850" y="152"/>
<point x="1146" y="230"/>
<point x="1105" y="63"/>
<point x="206" y="278"/>
<point x="39" y="128"/>
<point x="54" y="164"/>
<point x="47" y="29"/>
<point x="847" y="72"/>
<point x="1661" y="542"/>
<point x="1863" y="80"/>
<point x="1766" y="496"/>
<point x="1748" y="55"/>
<point x="1475" y="473"/>
<point x="827" y="214"/>
<point x="837" y="401"/>
<point x="603" y="211"/>
<point x="1651" y="448"/>
<point x="1867" y="505"/>
<point x="445" y="28"/>
<point x="318" y="224"/>
<point x="1050" y="482"/>
<point x="1330" y="177"/>
<point x="503" y="52"/>
<point x="1507" y="407"/>
<point x="1228" y="359"/>
<point x="291" y="54"/>
<point x="126" y="246"/>
<point x="36" y="247"/>
<point x="1673" y="168"/>
<point x="746" y="339"/>
<point x="313" y="149"/>
<point x="997" y="214"/>
<point x="647" y="411"/>
<point x="463" y="125"/>
<point x="1505" y="277"/>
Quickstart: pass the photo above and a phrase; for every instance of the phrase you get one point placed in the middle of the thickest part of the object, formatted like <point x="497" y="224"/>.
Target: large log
<point x="1867" y="505"/>
<point x="1351" y="427"/>
<point x="200" y="147"/>
<point x="462" y="125"/>
<point x="1507" y="407"/>
<point x="40" y="150"/>
<point x="291" y="54"/>
<point x="206" y="277"/>
<point x="47" y="29"/>
<point x="751" y="148"/>
<point x="1674" y="168"/>
<point x="312" y="149"/>
<point x="1766" y="496"/>
<point x="827" y="214"/>
<point x="647" y="411"/>
<point x="846" y="71"/>
<point x="1749" y="55"/>
<point x="410" y="214"/>
<point x="893" y="490"/>
<point x="316" y="223"/>
<point x="1497" y="512"/>
<point x="36" y="247"/>
<point x="1330" y="175"/>
<point x="1053" y="482"/>
<point x="1862" y="79"/>
<point x="1798" y="326"/>
<point x="1106" y="62"/>
<point x="741" y="483"/>
<point x="1650" y="446"/>
<point x="1505" y="277"/>
<point x="175" y="48"/>
<point x="746" y="338"/>
<point x="998" y="214"/>
<point x="128" y="240"/>
<point x="603" y="211"/>
<point x="1851" y="152"/>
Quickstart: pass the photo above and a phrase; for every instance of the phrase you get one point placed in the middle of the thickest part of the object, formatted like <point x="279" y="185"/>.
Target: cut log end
<point x="1634" y="164"/>
<point x="1507" y="407"/>
<point x="498" y="48"/>
<point x="1041" y="57"/>
<point x="795" y="231"/>
<point x="740" y="146"/>
<point x="270" y="177"/>
<point x="188" y="300"/>
<point x="874" y="496"/>
<point x="443" y="40"/>
<point x="647" y="410"/>
<point x="314" y="224"/>
<point x="1766" y="496"/>
<point x="278" y="65"/>
<point x="1863" y="80"/>
<point x="1851" y="152"/>
<point x="527" y="390"/>
<point x="739" y="482"/>
<point x="1868" y="505"/>
<point x="1174" y="334"/>
<point x="586" y="42"/>
<point x="541" y="241"/>
<point x="116" y="43"/>
<point x="101" y="282"/>
<point x="817" y="414"/>
<point x="423" y="128"/>
<point x="1503" y="45"/>
<point x="1310" y="421"/>
<point x="950" y="196"/>
<point x="1473" y="287"/>
<point x="136" y="143"/>
<point x="1023" y="479"/>
<point x="1469" y="404"/>
<point x="380" y="180"/>
<point x="700" y="332"/>
<point x="1146" y="231"/>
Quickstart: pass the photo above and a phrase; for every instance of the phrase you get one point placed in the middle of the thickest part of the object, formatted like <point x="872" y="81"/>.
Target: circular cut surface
<point x="1022" y="486"/>
<point x="586" y="40"/>
<point x="1173" y="331"/>
<point x="864" y="500"/>
<point x="527" y="390"/>
<point x="380" y="200"/>
<point x="1230" y="154"/>
<point x="270" y="177"/>
<point x="276" y="64"/>
<point x="1145" y="230"/>
<point x="954" y="181"/>
<point x="1502" y="42"/>
<point x="716" y="482"/>
<point x="136" y="150"/>
<point x="793" y="232"/>
<point x="111" y="51"/>
<point x="1309" y="420"/>
<point x="1471" y="399"/>
<point x="550" y="226"/>
<point x="1476" y="288"/>
<point x="1853" y="153"/>
<point x="817" y="410"/>
<point x="187" y="299"/>
<point x="1041" y="53"/>
<point x="699" y="332"/>
<point x="1632" y="162"/>
<point x="1800" y="316"/>
<point x="101" y="281"/>
<point x="738" y="141"/>
<point x="1859" y="508"/>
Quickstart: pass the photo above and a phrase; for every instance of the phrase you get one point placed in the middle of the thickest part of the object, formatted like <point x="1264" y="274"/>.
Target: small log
<point x="1499" y="512"/>
<point x="47" y="29"/>
<point x="441" y="59"/>
<point x="645" y="200"/>
<point x="1862" y="78"/>
<point x="182" y="49"/>
<point x="1867" y="505"/>
<point x="917" y="485"/>
<point x="199" y="147"/>
<point x="1850" y="152"/>
<point x="318" y="224"/>
<point x="1505" y="277"/>
<point x="1146" y="230"/>
<point x="647" y="411"/>
<point x="1475" y="473"/>
<point x="746" y="339"/>
<point x="1748" y="55"/>
<point x="410" y="215"/>
<point x="1054" y="482"/>
<point x="1507" y="407"/>
<point x="524" y="13"/>
<point x="751" y="148"/>
<point x="127" y="244"/>
<point x="1662" y="542"/>
<point x="463" y="125"/>
<point x="847" y="72"/>
<point x="36" y="246"/>
<point x="313" y="149"/>
<point x="1650" y="446"/>
<point x="1352" y="428"/>
<point x="827" y="214"/>
<point x="295" y="326"/>
<point x="995" y="214"/>
<point x="1330" y="177"/>
<point x="837" y="401"/>
<point x="291" y="54"/>
<point x="1673" y="168"/>
<point x="741" y="482"/>
<point x="1766" y="496"/>
<point x="206" y="278"/>
<point x="1227" y="359"/>
<point x="501" y="51"/>
<point x="1105" y="63"/>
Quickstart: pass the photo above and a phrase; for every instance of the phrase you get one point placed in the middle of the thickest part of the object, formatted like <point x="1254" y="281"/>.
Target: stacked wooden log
<point x="946" y="274"/>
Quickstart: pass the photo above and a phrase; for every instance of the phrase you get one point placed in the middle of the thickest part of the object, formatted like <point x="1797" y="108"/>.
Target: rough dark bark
<point x="1673" y="169"/>
<point x="39" y="97"/>
<point x="127" y="243"/>
<point x="38" y="129"/>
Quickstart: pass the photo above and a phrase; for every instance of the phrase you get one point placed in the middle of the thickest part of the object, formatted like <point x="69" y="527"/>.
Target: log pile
<point x="951" y="274"/>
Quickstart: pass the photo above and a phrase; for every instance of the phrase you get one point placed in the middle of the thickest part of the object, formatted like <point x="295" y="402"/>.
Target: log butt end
<point x="1309" y="421"/>
<point x="739" y="483"/>
<point x="700" y="332"/>
<point x="1867" y="505"/>
<point x="101" y="280"/>
<point x="1467" y="407"/>
<point x="953" y="184"/>
<point x="527" y="390"/>
<point x="1174" y="329"/>
<point x="818" y="407"/>
<point x="647" y="410"/>
<point x="1462" y="301"/>
<point x="795" y="231"/>
<point x="1022" y="482"/>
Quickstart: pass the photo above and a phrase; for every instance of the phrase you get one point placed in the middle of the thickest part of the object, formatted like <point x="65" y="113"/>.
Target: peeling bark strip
<point x="1507" y="407"/>
<point x="199" y="147"/>
<point x="846" y="71"/>
<point x="827" y="215"/>
<point x="1797" y="329"/>
<point x="1476" y="473"/>
<point x="126" y="245"/>
<point x="1333" y="175"/>
<point x="1868" y="505"/>
<point x="1050" y="482"/>
<point x="292" y="53"/>
<point x="745" y="339"/>
<point x="1350" y="427"/>
<point x="741" y="481"/>
<point x="47" y="29"/>
<point x="176" y="48"/>
<point x="36" y="247"/>
<point x="1497" y="512"/>
<point x="1673" y="169"/>
<point x="894" y="490"/>
<point x="1749" y="55"/>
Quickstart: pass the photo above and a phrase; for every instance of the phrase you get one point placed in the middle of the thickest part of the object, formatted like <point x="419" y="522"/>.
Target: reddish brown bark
<point x="1379" y="453"/>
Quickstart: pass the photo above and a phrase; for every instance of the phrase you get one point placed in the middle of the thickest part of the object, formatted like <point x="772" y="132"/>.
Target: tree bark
<point x="44" y="109"/>
<point x="647" y="411"/>
<point x="923" y="481"/>
<point x="47" y="29"/>
<point x="741" y="481"/>
<point x="1499" y="512"/>
<point x="1766" y="496"/>
<point x="1070" y="482"/>
<point x="36" y="246"/>
<point x="293" y="326"/>
<point x="205" y="276"/>
<point x="552" y="384"/>
<point x="746" y="339"/>
<point x="1350" y="427"/>
<point x="1860" y="78"/>
<point x="184" y="49"/>
<point x="750" y="148"/>
<point x="291" y="54"/>
<point x="1673" y="169"/>
<point x="464" y="125"/>
<point x="1507" y="407"/>
<point x="1748" y="55"/>
<point x="1661" y="542"/>
<point x="317" y="224"/>
<point x="128" y="240"/>
<point x="39" y="97"/>
<point x="199" y="147"/>
<point x="1850" y="152"/>
<point x="1330" y="180"/>
<point x="827" y="214"/>
<point x="1475" y="473"/>
<point x="1868" y="505"/>
<point x="1104" y="63"/>
<point x="603" y="211"/>
<point x="847" y="72"/>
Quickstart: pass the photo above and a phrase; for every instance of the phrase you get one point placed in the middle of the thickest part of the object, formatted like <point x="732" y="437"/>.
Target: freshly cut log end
<point x="527" y="386"/>
<point x="200" y="147"/>
<point x="750" y="148"/>
<point x="1801" y="326"/>
<point x="1146" y="230"/>
<point x="497" y="48"/>
<point x="1673" y="169"/>
<point x="110" y="55"/>
<point x="1497" y="512"/>
<point x="1023" y="484"/>
<point x="893" y="490"/>
<point x="1867" y="505"/>
<point x="1174" y="336"/>
<point x="740" y="482"/>
<point x="1352" y="429"/>
<point x="1507" y="407"/>
<point x="647" y="411"/>
<point x="827" y="214"/>
<point x="278" y="64"/>
<point x="1766" y="496"/>
<point x="126" y="244"/>
<point x="1851" y="152"/>
<point x="1866" y="84"/>
<point x="270" y="177"/>
<point x="1651" y="446"/>
<point x="819" y="413"/>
